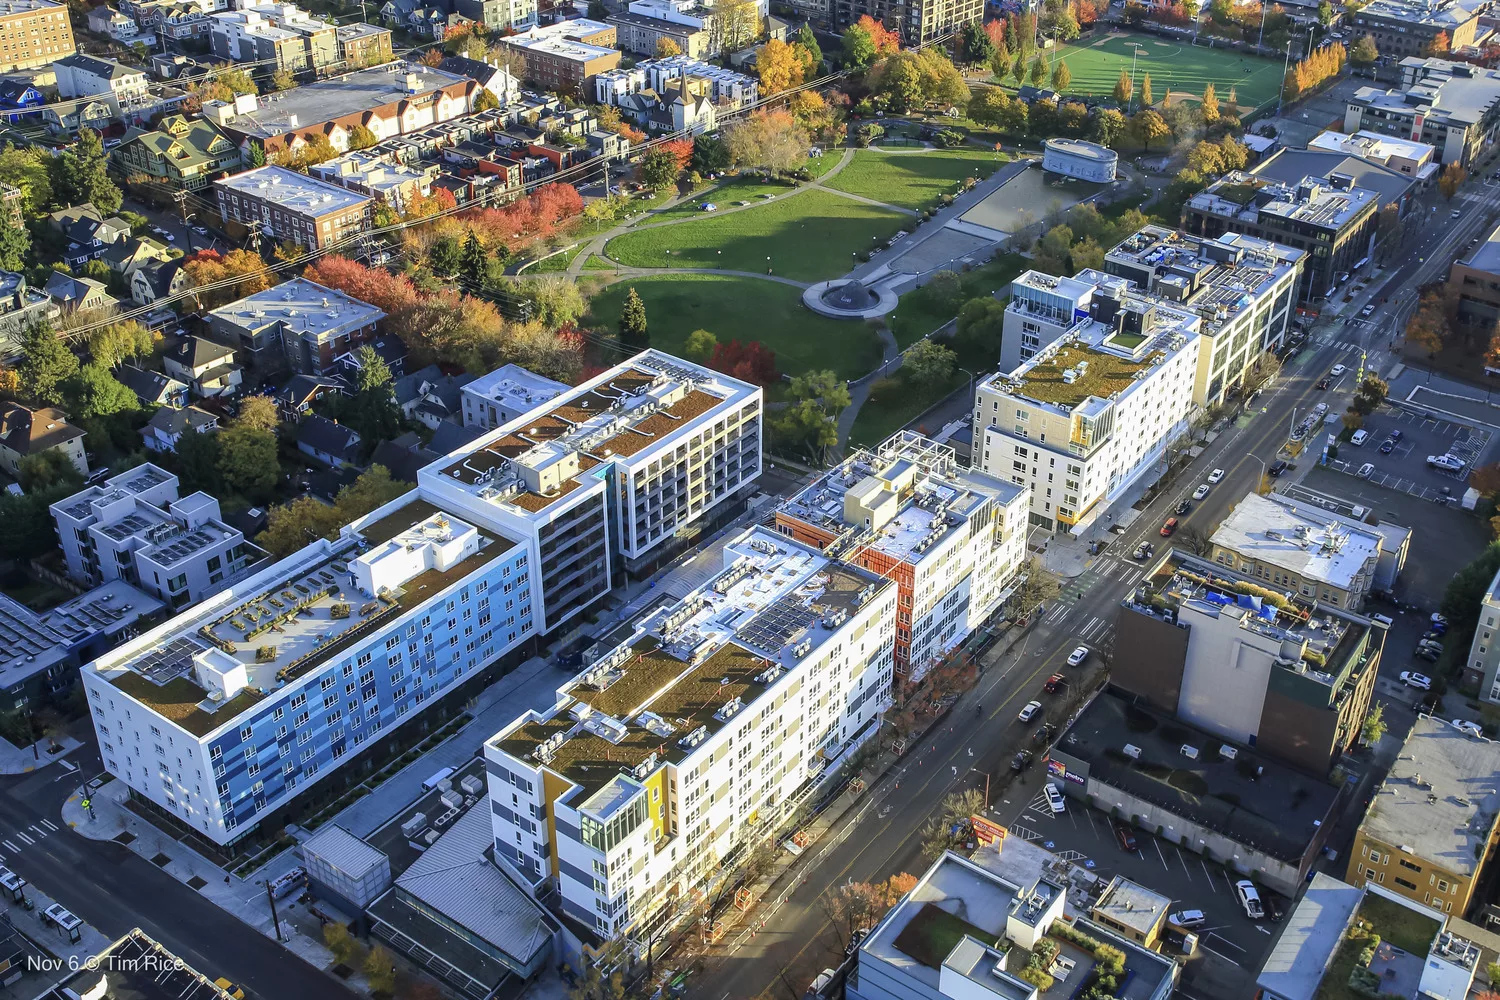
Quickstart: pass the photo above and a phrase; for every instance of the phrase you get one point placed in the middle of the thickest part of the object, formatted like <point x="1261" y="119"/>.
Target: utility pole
<point x="252" y="239"/>
<point x="274" y="918"/>
<point x="180" y="197"/>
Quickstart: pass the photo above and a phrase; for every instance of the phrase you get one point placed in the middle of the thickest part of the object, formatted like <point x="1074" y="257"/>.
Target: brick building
<point x="33" y="33"/>
<point x="293" y="207"/>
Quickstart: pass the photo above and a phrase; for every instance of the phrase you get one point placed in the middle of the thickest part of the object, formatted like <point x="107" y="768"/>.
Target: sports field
<point x="1176" y="65"/>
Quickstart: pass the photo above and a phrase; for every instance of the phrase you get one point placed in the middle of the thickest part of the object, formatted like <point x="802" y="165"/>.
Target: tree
<point x="859" y="49"/>
<point x="1149" y="125"/>
<point x="372" y="409"/>
<point x="15" y="244"/>
<point x="360" y="136"/>
<point x="338" y="940"/>
<point x="119" y="342"/>
<point x="978" y="48"/>
<point x="472" y="259"/>
<point x="1451" y="179"/>
<point x="1124" y="88"/>
<point x="486" y="100"/>
<point x="750" y="361"/>
<point x="1364" y="54"/>
<point x="700" y="345"/>
<point x="658" y="169"/>
<point x="259" y="413"/>
<point x="555" y="299"/>
<point x="1374" y="726"/>
<point x="283" y="80"/>
<point x="1062" y="77"/>
<point x="666" y="48"/>
<point x="810" y="420"/>
<point x="44" y="470"/>
<point x="1108" y="126"/>
<point x="1428" y="326"/>
<point x="1038" y="73"/>
<point x="82" y="171"/>
<point x="979" y="326"/>
<point x="1037" y="588"/>
<point x="710" y="155"/>
<point x="1438" y="46"/>
<point x="444" y="254"/>
<point x="1147" y="97"/>
<point x="197" y="462"/>
<point x="633" y="321"/>
<point x="30" y="170"/>
<point x="769" y="140"/>
<point x="46" y="364"/>
<point x="929" y="363"/>
<point x="597" y="10"/>
<point x="1210" y="106"/>
<point x="95" y="392"/>
<point x="778" y="66"/>
<point x="380" y="970"/>
<point x="247" y="461"/>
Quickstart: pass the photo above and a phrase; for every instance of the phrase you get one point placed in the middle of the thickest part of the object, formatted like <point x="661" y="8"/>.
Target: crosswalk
<point x="27" y="839"/>
<point x="1346" y="346"/>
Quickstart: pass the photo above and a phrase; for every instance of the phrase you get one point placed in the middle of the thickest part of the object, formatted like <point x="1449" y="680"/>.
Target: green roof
<point x="1105" y="375"/>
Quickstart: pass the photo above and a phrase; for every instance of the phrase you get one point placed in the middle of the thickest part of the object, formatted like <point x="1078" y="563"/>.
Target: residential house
<point x="157" y="279"/>
<point x="182" y="152"/>
<point x="491" y="76"/>
<point x="207" y="367"/>
<point x="72" y="294"/>
<point x="67" y="120"/>
<point x="431" y="397"/>
<point x="25" y="432"/>
<point x="123" y="87"/>
<point x="380" y="175"/>
<point x="296" y="399"/>
<point x="20" y="307"/>
<point x="392" y="351"/>
<point x="106" y="20"/>
<point x="130" y="255"/>
<point x="328" y="441"/>
<point x="678" y="108"/>
<point x="152" y="388"/>
<point x="405" y="456"/>
<point x="19" y="100"/>
<point x="167" y="426"/>
<point x="87" y="232"/>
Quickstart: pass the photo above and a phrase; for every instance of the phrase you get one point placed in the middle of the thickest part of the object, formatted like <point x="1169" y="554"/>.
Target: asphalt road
<point x="116" y="890"/>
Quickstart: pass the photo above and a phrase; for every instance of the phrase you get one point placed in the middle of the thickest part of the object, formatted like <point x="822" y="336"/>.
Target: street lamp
<point x="1264" y="472"/>
<point x="971" y="375"/>
<point x="986" y="774"/>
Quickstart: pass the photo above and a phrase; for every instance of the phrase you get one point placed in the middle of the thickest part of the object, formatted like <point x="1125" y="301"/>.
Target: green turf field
<point x="1096" y="63"/>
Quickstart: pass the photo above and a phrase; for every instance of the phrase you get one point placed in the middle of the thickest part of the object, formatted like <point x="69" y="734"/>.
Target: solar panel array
<point x="777" y="626"/>
<point x="170" y="661"/>
<point x="183" y="547"/>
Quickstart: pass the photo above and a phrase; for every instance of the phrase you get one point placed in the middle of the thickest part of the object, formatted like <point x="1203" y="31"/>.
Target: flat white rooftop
<point x="292" y="191"/>
<point x="1326" y="551"/>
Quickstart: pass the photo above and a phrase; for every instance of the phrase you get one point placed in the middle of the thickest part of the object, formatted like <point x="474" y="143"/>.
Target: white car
<point x="1413" y="679"/>
<point x="1216" y="475"/>
<point x="1055" y="800"/>
<point x="1446" y="462"/>
<point x="1078" y="656"/>
<point x="1472" y="728"/>
<point x="1249" y="897"/>
<point x="1029" y="711"/>
<point x="1337" y="370"/>
<point x="1366" y="470"/>
<point x="1189" y="920"/>
<point x="1200" y="492"/>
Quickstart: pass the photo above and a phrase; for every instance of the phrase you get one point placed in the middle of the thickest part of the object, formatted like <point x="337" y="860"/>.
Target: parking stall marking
<point x="10" y="846"/>
<point x="49" y="825"/>
<point x="1184" y="864"/>
<point x="1157" y="844"/>
<point x="1229" y="881"/>
<point x="1208" y="875"/>
<point x="23" y="836"/>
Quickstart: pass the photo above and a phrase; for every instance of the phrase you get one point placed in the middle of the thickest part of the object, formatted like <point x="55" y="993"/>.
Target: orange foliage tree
<point x="1324" y="64"/>
<point x="886" y="41"/>
<point x="208" y="267"/>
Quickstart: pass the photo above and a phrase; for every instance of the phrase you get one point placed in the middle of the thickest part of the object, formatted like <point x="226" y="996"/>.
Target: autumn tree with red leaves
<point x="748" y="361"/>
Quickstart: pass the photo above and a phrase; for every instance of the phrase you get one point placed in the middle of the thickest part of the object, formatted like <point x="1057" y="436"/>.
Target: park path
<point x="623" y="272"/>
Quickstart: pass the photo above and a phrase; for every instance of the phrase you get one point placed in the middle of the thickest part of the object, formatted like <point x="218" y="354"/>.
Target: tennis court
<point x="1174" y="64"/>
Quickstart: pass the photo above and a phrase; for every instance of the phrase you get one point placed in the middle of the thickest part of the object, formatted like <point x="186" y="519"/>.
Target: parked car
<point x="1359" y="437"/>
<point x="1438" y="619"/>
<point x="1419" y="681"/>
<point x="1183" y="506"/>
<point x="1472" y="728"/>
<point x="1446" y="462"/>
<point x="1125" y="838"/>
<point x="1216" y="475"/>
<point x="1396" y="435"/>
<point x="1201" y="492"/>
<point x="1053" y="683"/>
<point x="1428" y="654"/>
<point x="1336" y="371"/>
<point x="1387" y="446"/>
<point x="1021" y="761"/>
<point x="1055" y="799"/>
<point x="1043" y="733"/>
<point x="1434" y="634"/>
<point x="1188" y="920"/>
<point x="1249" y="897"/>
<point x="1273" y="909"/>
<point x="1455" y="213"/>
<point x="1169" y="526"/>
<point x="1078" y="656"/>
<point x="228" y="987"/>
<point x="1438" y="629"/>
<point x="1366" y="470"/>
<point x="1028" y="712"/>
<point x="1278" y="468"/>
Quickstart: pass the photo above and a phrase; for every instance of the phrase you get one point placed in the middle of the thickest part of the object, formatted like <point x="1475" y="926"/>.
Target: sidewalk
<point x="21" y="760"/>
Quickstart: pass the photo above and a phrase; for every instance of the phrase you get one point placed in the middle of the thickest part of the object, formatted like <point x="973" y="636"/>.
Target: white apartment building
<point x="1042" y="309"/>
<point x="1482" y="668"/>
<point x="721" y="85"/>
<point x="614" y="471"/>
<point x="1243" y="288"/>
<point x="1093" y="412"/>
<point x="697" y="734"/>
<point x="133" y="527"/>
<point x="120" y="86"/>
<point x="953" y="539"/>
<point x="506" y="393"/>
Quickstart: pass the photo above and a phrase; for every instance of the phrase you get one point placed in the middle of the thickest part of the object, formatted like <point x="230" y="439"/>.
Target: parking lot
<point x="1404" y="469"/>
<point x="1087" y="838"/>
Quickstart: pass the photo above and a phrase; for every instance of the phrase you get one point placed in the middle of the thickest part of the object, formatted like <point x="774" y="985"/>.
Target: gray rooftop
<point x="1457" y="92"/>
<point x="301" y="307"/>
<point x="1486" y="256"/>
<point x="1445" y="15"/>
<point x="1291" y="165"/>
<point x="293" y="191"/>
<point x="1301" y="955"/>
<point x="364" y="90"/>
<point x="1439" y="800"/>
<point x="1132" y="905"/>
<point x="344" y="851"/>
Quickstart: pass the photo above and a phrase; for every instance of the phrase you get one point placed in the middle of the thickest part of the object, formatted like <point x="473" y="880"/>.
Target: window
<point x="1408" y="864"/>
<point x="1405" y="884"/>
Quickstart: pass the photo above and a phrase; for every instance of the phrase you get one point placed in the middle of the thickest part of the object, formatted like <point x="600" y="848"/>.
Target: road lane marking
<point x="24" y="837"/>
<point x="39" y="831"/>
<point x="10" y="846"/>
<point x="49" y="825"/>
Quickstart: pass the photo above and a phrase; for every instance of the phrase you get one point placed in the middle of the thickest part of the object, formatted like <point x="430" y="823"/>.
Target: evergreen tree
<point x="82" y="171"/>
<point x="372" y="409"/>
<point x="46" y="364"/>
<point x="471" y="259"/>
<point x="805" y="38"/>
<point x="15" y="243"/>
<point x="633" y="321"/>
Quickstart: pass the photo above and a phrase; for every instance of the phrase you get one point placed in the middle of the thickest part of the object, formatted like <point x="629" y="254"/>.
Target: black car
<point x="1278" y="468"/>
<point x="1324" y="383"/>
<point x="1273" y="908"/>
<point x="1387" y="446"/>
<point x="1183" y="507"/>
<point x="1044" y="733"/>
<point x="1021" y="761"/>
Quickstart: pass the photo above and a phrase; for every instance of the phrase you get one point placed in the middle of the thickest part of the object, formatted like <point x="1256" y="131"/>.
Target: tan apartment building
<point x="1431" y="824"/>
<point x="1474" y="283"/>
<point x="641" y="33"/>
<point x="363" y="44"/>
<point x="566" y="57"/>
<point x="290" y="207"/>
<point x="33" y="33"/>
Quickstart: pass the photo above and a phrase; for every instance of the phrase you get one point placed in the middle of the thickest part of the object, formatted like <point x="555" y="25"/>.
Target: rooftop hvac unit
<point x="1228" y="752"/>
<point x="1132" y="751"/>
<point x="1189" y="751"/>
<point x="413" y="825"/>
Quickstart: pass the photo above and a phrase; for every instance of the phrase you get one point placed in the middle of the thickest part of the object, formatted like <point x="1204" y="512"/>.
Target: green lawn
<point x="556" y="263"/>
<point x="1095" y="64"/>
<point x="597" y="264"/>
<point x="894" y="402"/>
<point x="820" y="165"/>
<point x="916" y="315"/>
<point x="913" y="180"/>
<point x="726" y="195"/>
<point x="745" y="309"/>
<point x="808" y="235"/>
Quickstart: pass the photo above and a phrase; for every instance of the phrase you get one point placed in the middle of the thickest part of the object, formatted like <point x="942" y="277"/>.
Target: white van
<point x="1359" y="437"/>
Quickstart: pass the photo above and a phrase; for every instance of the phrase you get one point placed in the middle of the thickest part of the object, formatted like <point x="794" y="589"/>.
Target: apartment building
<point x="505" y="394"/>
<point x="565" y="57"/>
<point x="1299" y="550"/>
<point x="279" y="35"/>
<point x="615" y="474"/>
<point x="1330" y="219"/>
<point x="720" y="85"/>
<point x="181" y="153"/>
<point x="1242" y="288"/>
<point x="290" y="207"/>
<point x="380" y="175"/>
<point x="361" y="45"/>
<point x="918" y="22"/>
<point x="222" y="716"/>
<point x="1431" y="824"/>
<point x="300" y="321"/>
<point x="1453" y="107"/>
<point x="1474" y="283"/>
<point x="1403" y="28"/>
<point x="707" y="726"/>
<point x="1417" y="160"/>
<point x="33" y="33"/>
<point x="1093" y="412"/>
<point x="40" y="651"/>
<point x="390" y="101"/>
<point x="643" y="35"/>
<point x="1294" y="680"/>
<point x="123" y="88"/>
<point x="134" y="527"/>
<point x="1482" y="668"/>
<point x="952" y="539"/>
